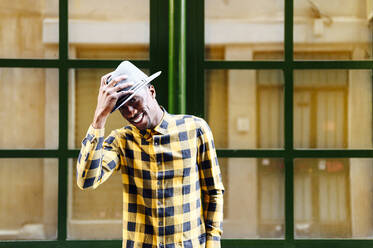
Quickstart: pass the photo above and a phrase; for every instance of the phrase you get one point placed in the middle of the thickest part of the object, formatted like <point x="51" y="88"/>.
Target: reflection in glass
<point x="333" y="198"/>
<point x="26" y="29"/>
<point x="28" y="108"/>
<point x="326" y="30"/>
<point x="28" y="203"/>
<point x="242" y="27"/>
<point x="253" y="198"/>
<point x="95" y="214"/>
<point x="332" y="30"/>
<point x="332" y="109"/>
<point x="245" y="108"/>
<point x="112" y="29"/>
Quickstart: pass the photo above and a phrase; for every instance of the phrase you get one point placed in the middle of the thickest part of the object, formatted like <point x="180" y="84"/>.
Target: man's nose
<point x="131" y="111"/>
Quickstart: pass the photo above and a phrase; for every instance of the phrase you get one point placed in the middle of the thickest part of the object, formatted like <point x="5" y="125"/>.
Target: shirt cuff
<point x="212" y="242"/>
<point x="97" y="132"/>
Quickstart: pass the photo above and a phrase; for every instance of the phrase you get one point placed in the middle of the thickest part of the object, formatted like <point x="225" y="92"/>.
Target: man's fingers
<point x="122" y="93"/>
<point x="116" y="80"/>
<point x="119" y="87"/>
<point x="105" y="78"/>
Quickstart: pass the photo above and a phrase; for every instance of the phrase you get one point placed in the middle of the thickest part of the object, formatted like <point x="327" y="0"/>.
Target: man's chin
<point x="142" y="125"/>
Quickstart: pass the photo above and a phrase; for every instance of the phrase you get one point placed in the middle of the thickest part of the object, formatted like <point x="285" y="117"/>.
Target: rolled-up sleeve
<point x="98" y="159"/>
<point x="211" y="185"/>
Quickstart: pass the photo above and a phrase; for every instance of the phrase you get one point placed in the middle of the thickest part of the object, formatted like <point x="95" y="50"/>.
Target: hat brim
<point x="137" y="88"/>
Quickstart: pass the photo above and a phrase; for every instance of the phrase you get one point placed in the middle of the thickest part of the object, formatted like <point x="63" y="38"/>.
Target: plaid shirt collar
<point x="162" y="128"/>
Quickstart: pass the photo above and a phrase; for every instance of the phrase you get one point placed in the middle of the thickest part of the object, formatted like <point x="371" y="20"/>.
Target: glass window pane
<point x="244" y="108"/>
<point x="240" y="28"/>
<point x="28" y="101"/>
<point x="332" y="109"/>
<point x="95" y="214"/>
<point x="29" y="199"/>
<point x="333" y="198"/>
<point x="83" y="91"/>
<point x="112" y="29"/>
<point x="332" y="30"/>
<point x="253" y="198"/>
<point x="29" y="30"/>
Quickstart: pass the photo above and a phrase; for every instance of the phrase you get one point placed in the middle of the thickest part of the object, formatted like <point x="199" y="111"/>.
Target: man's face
<point x="140" y="110"/>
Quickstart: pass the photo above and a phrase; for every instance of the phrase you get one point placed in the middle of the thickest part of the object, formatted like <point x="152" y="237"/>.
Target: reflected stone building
<point x="245" y="109"/>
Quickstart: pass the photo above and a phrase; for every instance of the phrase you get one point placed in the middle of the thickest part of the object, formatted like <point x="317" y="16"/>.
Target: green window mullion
<point x="289" y="200"/>
<point x="289" y="149"/>
<point x="257" y="243"/>
<point x="288" y="125"/>
<point x="306" y="243"/>
<point x="63" y="244"/>
<point x="236" y="65"/>
<point x="68" y="63"/>
<point x="62" y="198"/>
<point x="301" y="153"/>
<point x="362" y="64"/>
<point x="32" y="63"/>
<point x="158" y="47"/>
<point x="29" y="153"/>
<point x="358" y="64"/>
<point x="249" y="153"/>
<point x="63" y="153"/>
<point x="195" y="45"/>
<point x="63" y="121"/>
<point x="341" y="243"/>
<point x="87" y="63"/>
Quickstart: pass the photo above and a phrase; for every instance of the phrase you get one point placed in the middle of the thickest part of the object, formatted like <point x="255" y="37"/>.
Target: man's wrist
<point x="99" y="122"/>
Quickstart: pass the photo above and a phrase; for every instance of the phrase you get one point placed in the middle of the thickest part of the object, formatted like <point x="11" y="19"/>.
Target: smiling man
<point x="172" y="187"/>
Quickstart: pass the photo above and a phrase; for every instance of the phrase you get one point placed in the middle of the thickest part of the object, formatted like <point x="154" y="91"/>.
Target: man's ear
<point x="152" y="91"/>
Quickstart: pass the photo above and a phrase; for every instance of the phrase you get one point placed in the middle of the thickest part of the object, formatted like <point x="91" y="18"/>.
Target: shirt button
<point x="156" y="142"/>
<point x="159" y="162"/>
<point x="160" y="244"/>
<point x="160" y="223"/>
<point x="159" y="182"/>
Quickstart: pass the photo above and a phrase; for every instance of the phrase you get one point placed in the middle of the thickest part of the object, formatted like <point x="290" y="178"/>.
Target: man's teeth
<point x="138" y="118"/>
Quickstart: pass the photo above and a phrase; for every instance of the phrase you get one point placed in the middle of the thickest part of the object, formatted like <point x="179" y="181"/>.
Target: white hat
<point x="134" y="75"/>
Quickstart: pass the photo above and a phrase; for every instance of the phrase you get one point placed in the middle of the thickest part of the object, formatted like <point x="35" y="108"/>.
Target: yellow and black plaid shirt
<point x="172" y="187"/>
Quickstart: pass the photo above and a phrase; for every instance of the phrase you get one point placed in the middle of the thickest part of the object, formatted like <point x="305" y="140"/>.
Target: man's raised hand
<point x="108" y="95"/>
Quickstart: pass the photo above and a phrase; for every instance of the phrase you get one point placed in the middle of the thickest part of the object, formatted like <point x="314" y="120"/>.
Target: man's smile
<point x="138" y="118"/>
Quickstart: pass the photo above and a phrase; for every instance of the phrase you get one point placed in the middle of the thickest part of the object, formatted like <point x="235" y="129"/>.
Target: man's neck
<point x="158" y="116"/>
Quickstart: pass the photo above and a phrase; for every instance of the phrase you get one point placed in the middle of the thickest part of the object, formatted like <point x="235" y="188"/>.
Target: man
<point x="172" y="188"/>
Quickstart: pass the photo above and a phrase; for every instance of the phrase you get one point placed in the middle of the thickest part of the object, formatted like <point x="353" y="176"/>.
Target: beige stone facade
<point x="245" y="109"/>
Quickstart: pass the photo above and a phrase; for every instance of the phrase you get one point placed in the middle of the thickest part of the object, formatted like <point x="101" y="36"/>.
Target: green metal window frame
<point x="158" y="60"/>
<point x="196" y="66"/>
<point x="177" y="48"/>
